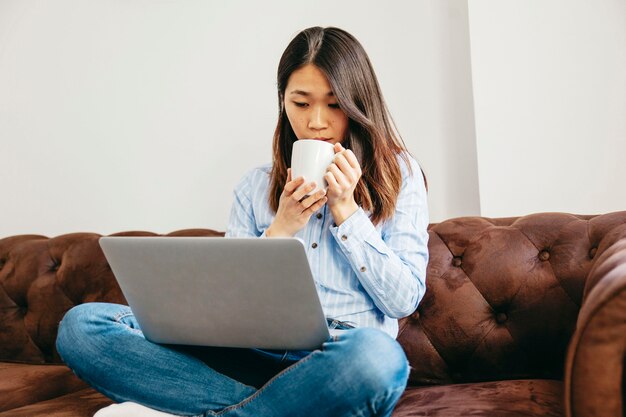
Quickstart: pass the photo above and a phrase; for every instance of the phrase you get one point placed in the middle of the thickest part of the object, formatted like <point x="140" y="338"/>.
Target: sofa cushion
<point x="83" y="403"/>
<point x="515" y="398"/>
<point x="23" y="384"/>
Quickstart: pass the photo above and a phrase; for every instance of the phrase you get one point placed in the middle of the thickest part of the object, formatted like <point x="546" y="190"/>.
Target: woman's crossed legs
<point x="362" y="372"/>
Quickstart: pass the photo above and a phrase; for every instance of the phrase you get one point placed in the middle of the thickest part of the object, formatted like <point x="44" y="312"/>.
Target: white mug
<point x="310" y="158"/>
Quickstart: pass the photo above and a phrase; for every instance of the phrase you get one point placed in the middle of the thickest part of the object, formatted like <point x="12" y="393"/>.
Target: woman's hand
<point x="293" y="211"/>
<point x="342" y="176"/>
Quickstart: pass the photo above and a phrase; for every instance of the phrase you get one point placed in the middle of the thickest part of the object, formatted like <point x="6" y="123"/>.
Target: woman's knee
<point x="81" y="323"/>
<point x="377" y="359"/>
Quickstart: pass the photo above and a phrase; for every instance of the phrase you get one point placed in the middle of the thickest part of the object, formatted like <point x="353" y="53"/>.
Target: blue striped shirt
<point x="366" y="275"/>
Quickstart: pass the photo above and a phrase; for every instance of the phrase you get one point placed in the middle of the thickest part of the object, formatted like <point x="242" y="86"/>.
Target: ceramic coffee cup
<point x="310" y="158"/>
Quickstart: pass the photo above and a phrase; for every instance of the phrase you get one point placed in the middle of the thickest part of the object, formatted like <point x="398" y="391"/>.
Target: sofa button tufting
<point x="457" y="261"/>
<point x="544" y="255"/>
<point x="501" y="318"/>
<point x="592" y="253"/>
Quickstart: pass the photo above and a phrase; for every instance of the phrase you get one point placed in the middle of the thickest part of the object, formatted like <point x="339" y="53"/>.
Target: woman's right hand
<point x="293" y="211"/>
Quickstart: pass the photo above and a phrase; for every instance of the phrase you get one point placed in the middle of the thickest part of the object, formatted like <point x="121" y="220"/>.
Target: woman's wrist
<point x="342" y="211"/>
<point x="273" y="231"/>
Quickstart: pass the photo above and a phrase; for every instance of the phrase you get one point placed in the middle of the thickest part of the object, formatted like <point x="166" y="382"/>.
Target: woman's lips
<point x="321" y="138"/>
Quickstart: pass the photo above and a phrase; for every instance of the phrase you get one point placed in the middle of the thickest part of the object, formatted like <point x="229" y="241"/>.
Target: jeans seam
<point x="123" y="314"/>
<point x="267" y="385"/>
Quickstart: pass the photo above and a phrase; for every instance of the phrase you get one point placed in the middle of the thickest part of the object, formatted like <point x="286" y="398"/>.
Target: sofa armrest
<point x="594" y="368"/>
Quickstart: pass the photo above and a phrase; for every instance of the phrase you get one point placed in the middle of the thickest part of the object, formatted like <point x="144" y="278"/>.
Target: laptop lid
<point x="214" y="291"/>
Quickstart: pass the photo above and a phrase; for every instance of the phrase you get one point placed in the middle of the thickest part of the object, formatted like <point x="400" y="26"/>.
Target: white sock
<point x="130" y="409"/>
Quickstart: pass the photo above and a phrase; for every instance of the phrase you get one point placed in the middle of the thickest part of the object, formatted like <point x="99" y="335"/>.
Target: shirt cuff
<point x="353" y="231"/>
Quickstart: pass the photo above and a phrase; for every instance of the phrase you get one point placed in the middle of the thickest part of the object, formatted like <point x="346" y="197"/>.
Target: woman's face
<point x="312" y="108"/>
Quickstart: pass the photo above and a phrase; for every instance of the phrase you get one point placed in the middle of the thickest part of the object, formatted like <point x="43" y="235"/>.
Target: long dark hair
<point x="371" y="135"/>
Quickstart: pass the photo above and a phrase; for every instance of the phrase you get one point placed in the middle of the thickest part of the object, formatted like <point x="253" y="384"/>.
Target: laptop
<point x="215" y="291"/>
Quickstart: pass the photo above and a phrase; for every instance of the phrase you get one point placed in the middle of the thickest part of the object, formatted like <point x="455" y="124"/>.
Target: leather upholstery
<point x="502" y="301"/>
<point x="18" y="380"/>
<point x="503" y="295"/>
<point x="510" y="398"/>
<point x="594" y="378"/>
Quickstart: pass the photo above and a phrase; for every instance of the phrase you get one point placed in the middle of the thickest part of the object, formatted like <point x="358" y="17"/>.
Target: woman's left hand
<point x="342" y="176"/>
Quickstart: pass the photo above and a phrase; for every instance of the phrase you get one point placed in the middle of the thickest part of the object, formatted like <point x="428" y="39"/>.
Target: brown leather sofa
<point x="523" y="316"/>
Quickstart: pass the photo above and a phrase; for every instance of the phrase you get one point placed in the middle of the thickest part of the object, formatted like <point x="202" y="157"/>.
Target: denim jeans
<point x="361" y="372"/>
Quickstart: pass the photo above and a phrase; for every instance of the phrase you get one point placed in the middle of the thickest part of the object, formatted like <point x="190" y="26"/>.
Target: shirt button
<point x="344" y="237"/>
<point x="363" y="269"/>
<point x="314" y="245"/>
<point x="319" y="215"/>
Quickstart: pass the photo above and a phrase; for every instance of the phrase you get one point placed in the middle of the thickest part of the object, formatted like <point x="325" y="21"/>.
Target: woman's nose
<point x="318" y="119"/>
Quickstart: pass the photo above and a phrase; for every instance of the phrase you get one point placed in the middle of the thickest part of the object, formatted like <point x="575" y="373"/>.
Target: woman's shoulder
<point x="256" y="178"/>
<point x="259" y="173"/>
<point x="408" y="164"/>
<point x="412" y="174"/>
<point x="261" y="170"/>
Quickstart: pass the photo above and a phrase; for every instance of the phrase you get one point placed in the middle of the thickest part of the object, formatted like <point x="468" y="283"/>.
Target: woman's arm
<point x="391" y="265"/>
<point x="241" y="222"/>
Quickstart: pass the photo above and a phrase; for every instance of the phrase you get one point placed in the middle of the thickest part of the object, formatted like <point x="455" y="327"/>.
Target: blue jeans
<point x="362" y="372"/>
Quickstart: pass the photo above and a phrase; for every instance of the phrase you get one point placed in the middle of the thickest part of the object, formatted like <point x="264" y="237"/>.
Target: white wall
<point x="550" y="102"/>
<point x="143" y="114"/>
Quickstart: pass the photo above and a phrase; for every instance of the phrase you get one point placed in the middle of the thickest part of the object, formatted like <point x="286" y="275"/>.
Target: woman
<point x="366" y="243"/>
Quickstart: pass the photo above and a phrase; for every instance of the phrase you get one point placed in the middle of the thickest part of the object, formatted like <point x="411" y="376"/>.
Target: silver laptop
<point x="214" y="291"/>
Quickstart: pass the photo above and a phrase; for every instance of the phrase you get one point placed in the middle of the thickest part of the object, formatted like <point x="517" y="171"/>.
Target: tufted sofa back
<point x="502" y="294"/>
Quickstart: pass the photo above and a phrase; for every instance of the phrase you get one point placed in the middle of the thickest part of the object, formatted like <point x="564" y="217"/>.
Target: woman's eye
<point x="334" y="106"/>
<point x="300" y="104"/>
